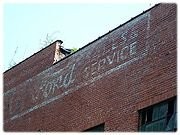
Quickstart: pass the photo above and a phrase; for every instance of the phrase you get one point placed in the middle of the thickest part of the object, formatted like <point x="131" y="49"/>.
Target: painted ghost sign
<point x="111" y="53"/>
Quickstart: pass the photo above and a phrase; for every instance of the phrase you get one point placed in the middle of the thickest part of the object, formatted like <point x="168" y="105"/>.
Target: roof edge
<point x="31" y="56"/>
<point x="122" y="24"/>
<point x="111" y="31"/>
<point x="88" y="43"/>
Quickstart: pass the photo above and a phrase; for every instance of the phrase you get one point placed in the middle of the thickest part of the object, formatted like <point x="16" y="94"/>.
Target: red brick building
<point x="123" y="81"/>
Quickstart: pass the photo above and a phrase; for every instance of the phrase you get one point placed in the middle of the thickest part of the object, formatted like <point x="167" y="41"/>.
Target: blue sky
<point x="26" y="25"/>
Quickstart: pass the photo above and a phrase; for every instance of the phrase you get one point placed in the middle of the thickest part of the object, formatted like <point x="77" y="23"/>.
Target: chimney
<point x="58" y="54"/>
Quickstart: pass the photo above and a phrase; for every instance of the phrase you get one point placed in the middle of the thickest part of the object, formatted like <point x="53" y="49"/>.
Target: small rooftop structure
<point x="60" y="51"/>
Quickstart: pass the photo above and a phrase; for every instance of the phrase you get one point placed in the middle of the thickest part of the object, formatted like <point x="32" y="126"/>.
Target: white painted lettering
<point x="94" y="68"/>
<point x="133" y="48"/>
<point x="68" y="79"/>
<point x="124" y="53"/>
<point x="48" y="88"/>
<point x="110" y="60"/>
<point x="101" y="64"/>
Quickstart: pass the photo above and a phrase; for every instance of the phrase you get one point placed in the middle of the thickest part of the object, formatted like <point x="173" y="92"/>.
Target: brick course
<point x="29" y="67"/>
<point x="107" y="81"/>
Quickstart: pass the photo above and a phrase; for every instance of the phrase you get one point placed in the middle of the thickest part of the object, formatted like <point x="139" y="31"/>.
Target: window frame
<point x="94" y="128"/>
<point x="160" y="104"/>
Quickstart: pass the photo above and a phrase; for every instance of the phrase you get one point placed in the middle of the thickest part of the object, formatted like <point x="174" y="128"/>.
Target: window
<point x="98" y="128"/>
<point x="159" y="117"/>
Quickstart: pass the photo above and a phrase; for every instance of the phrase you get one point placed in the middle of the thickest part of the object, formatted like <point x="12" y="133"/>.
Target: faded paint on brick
<point x="125" y="66"/>
<point x="48" y="82"/>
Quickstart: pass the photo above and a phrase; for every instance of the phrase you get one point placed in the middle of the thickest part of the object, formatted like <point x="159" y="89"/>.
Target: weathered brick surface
<point x="29" y="67"/>
<point x="108" y="81"/>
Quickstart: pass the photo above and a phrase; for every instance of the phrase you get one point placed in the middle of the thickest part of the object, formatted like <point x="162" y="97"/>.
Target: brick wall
<point x="29" y="67"/>
<point x="107" y="81"/>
